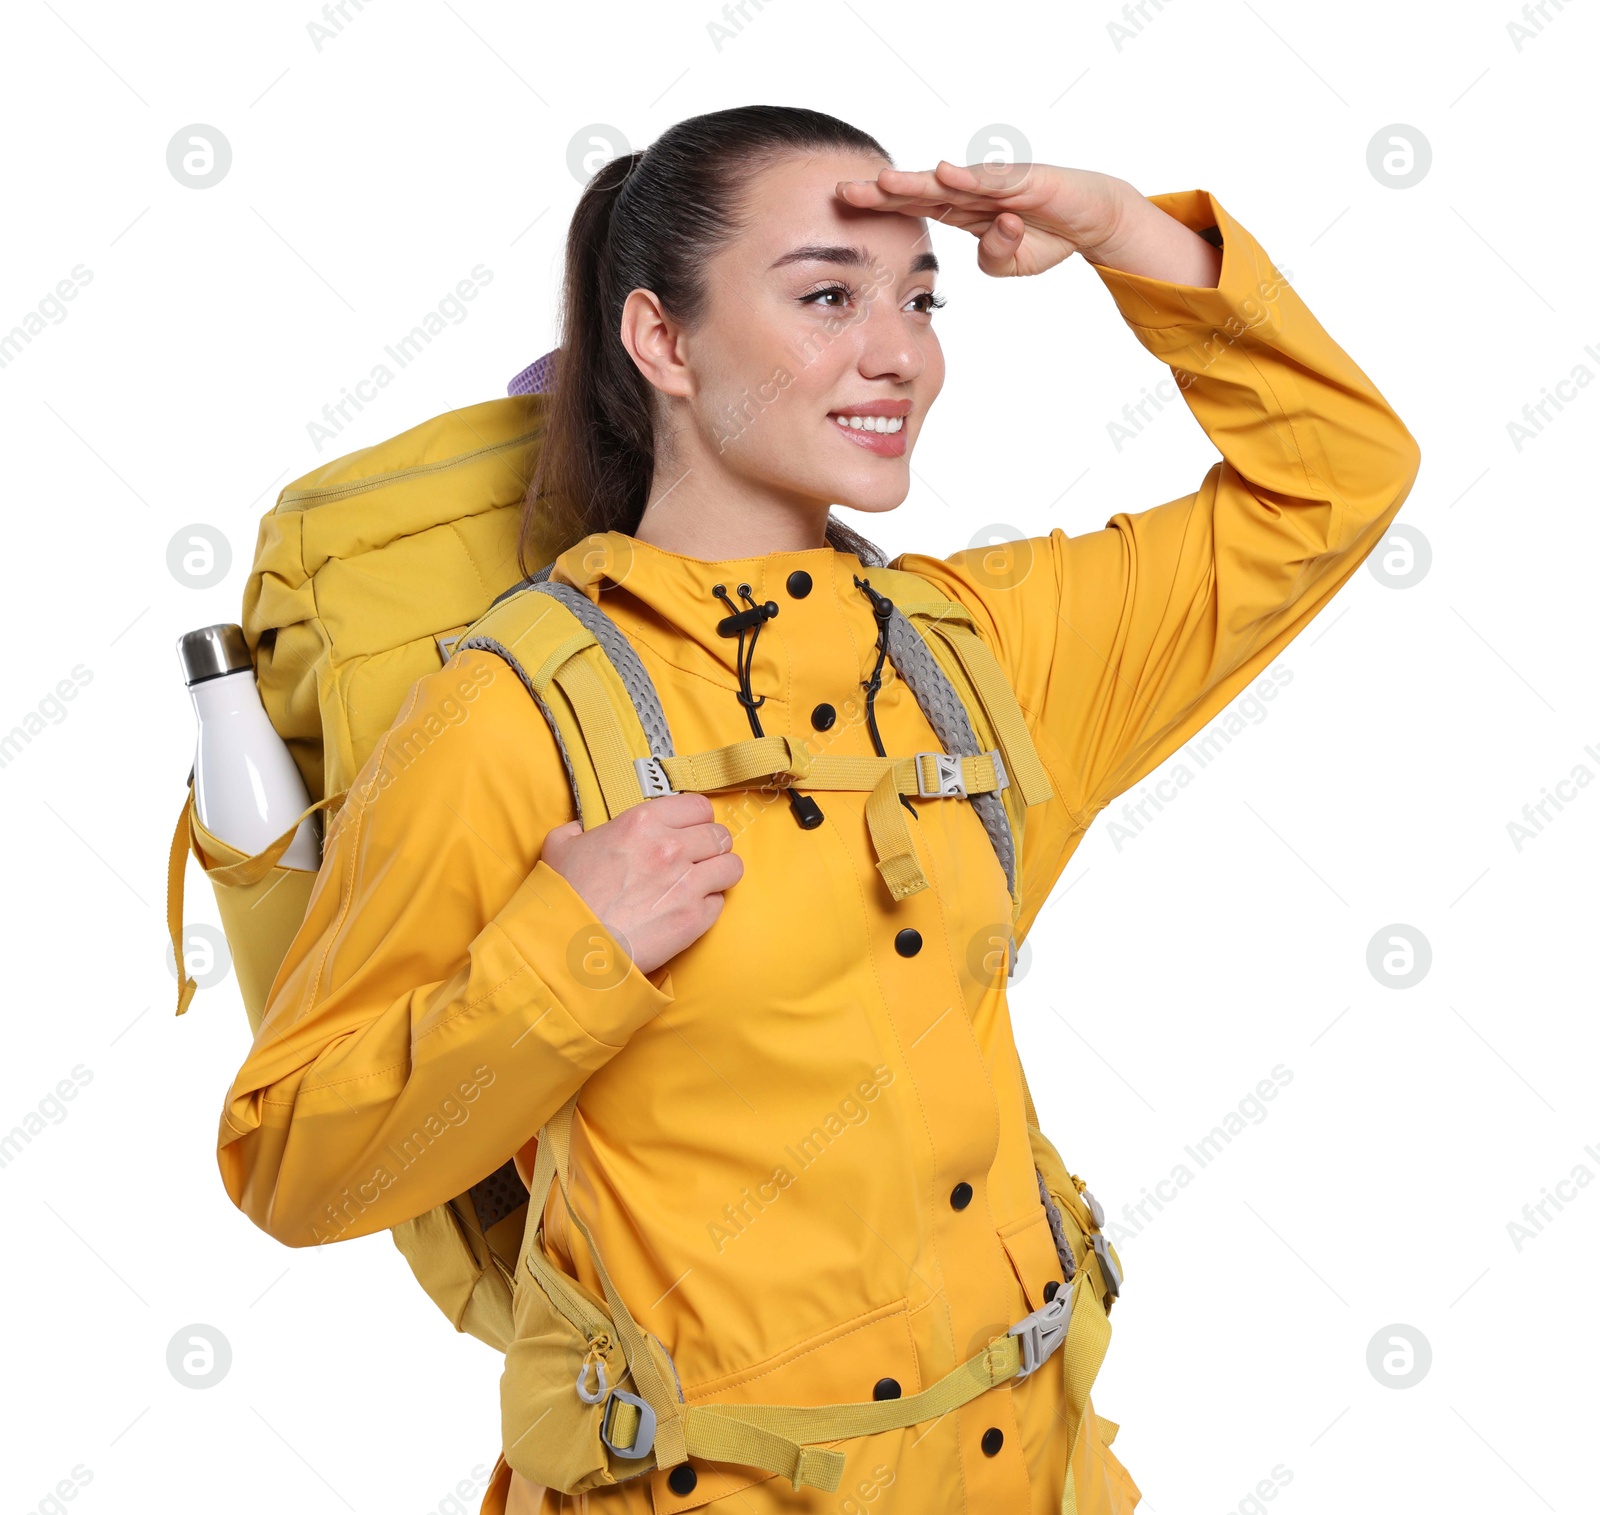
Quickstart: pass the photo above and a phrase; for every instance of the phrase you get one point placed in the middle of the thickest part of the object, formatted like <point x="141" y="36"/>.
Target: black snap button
<point x="1052" y="1289"/>
<point x="993" y="1439"/>
<point x="908" y="942"/>
<point x="961" y="1196"/>
<point x="823" y="716"/>
<point x="886" y="1388"/>
<point x="798" y="583"/>
<point x="683" y="1478"/>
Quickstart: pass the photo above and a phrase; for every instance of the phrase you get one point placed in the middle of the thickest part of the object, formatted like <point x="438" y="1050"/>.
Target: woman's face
<point x="817" y="310"/>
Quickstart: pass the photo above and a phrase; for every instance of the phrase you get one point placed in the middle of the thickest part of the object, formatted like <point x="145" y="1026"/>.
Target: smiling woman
<point x="747" y="343"/>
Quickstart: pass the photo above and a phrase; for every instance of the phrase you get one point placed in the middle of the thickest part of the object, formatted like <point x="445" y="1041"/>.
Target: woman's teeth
<point x="872" y="423"/>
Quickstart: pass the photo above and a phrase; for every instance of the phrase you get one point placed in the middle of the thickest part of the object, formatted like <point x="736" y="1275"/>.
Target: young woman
<point x="802" y="1141"/>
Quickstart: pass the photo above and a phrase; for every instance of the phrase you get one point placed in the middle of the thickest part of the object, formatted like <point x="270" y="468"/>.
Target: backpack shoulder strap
<point x="949" y="629"/>
<point x="588" y="681"/>
<point x="968" y="701"/>
<point x="613" y="734"/>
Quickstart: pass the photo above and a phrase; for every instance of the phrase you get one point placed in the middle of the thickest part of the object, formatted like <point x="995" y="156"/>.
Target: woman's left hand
<point x="1027" y="217"/>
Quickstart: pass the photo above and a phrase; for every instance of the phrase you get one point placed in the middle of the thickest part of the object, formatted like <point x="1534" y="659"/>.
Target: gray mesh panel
<point x="1069" y="1264"/>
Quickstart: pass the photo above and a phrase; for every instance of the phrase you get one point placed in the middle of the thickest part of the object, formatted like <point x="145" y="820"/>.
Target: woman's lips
<point x="887" y="444"/>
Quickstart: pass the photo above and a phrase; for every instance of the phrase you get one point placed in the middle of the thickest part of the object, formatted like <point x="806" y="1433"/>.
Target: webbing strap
<point x="1088" y="1336"/>
<point x="177" y="859"/>
<point x="249" y="870"/>
<point x="743" y="1433"/>
<point x="756" y="757"/>
<point x="786" y="761"/>
<point x="999" y="706"/>
<point x="584" y="685"/>
<point x="647" y="1360"/>
<point x="563" y="1292"/>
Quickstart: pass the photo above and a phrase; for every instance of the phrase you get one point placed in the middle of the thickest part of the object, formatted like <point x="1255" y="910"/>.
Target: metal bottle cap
<point x="211" y="652"/>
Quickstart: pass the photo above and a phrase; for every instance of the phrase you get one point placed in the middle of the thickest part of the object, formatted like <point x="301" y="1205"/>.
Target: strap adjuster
<point x="948" y="778"/>
<point x="644" y="1437"/>
<point x="652" y="776"/>
<point x="1042" y="1332"/>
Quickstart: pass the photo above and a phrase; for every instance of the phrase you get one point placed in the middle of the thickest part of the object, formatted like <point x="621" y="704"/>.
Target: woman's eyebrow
<point x="850" y="257"/>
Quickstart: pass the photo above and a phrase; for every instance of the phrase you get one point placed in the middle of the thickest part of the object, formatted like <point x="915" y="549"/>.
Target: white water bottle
<point x="247" y="790"/>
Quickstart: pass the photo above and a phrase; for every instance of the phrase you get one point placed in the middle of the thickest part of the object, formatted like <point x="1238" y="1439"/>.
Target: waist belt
<point x="782" y="1438"/>
<point x="785" y="1439"/>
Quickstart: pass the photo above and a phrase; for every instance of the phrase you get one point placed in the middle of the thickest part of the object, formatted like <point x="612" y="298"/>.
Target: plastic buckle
<point x="1003" y="779"/>
<point x="1042" y="1332"/>
<point x="643" y="1439"/>
<point x="1108" y="1269"/>
<point x="653" y="778"/>
<point x="948" y="778"/>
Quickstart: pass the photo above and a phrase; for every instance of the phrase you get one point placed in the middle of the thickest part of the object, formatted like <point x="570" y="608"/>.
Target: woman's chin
<point x="875" y="497"/>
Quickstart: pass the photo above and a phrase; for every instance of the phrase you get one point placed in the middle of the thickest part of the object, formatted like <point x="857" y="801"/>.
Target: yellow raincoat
<point x="773" y="1127"/>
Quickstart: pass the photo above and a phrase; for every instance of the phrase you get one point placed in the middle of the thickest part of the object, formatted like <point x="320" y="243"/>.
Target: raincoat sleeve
<point x="1122" y="643"/>
<point x="447" y="991"/>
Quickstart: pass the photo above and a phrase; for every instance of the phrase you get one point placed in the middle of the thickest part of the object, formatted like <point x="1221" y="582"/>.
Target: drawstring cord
<point x="882" y="609"/>
<point x="737" y="622"/>
<point x="806" y="810"/>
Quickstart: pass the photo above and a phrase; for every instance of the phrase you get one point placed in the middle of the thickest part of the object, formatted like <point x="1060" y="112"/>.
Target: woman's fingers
<point x="865" y="195"/>
<point x="682" y="808"/>
<point x="948" y="184"/>
<point x="998" y="246"/>
<point x="716" y="874"/>
<point x="702" y="842"/>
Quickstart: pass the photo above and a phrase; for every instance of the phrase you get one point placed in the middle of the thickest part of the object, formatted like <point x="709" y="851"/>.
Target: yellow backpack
<point x="369" y="573"/>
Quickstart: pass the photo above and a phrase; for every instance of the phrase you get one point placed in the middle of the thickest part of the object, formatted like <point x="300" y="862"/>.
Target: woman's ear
<point x="656" y="343"/>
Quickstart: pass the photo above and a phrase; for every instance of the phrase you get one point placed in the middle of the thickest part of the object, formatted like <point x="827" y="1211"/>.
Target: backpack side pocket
<point x="260" y="916"/>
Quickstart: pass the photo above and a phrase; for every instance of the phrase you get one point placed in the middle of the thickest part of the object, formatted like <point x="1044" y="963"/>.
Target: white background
<point x="1170" y="972"/>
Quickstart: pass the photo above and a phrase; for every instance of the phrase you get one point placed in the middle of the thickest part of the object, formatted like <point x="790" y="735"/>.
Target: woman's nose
<point x="889" y="347"/>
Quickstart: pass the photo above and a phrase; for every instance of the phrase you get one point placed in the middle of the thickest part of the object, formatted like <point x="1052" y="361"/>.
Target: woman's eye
<point x="819" y="295"/>
<point x="935" y="302"/>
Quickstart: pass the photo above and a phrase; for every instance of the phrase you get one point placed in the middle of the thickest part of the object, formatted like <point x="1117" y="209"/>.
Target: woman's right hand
<point x="653" y="875"/>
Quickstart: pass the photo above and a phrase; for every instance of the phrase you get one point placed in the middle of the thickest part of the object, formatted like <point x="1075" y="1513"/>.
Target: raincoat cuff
<point x="1169" y="318"/>
<point x="553" y="930"/>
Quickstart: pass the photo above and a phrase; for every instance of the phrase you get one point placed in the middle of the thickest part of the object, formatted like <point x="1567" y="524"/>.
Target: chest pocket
<point x="1031" y="1246"/>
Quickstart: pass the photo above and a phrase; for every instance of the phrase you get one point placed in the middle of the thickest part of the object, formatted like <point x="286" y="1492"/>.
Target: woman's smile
<point x="878" y="425"/>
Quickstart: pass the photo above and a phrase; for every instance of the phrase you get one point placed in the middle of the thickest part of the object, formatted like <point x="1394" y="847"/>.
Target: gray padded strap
<point x="948" y="716"/>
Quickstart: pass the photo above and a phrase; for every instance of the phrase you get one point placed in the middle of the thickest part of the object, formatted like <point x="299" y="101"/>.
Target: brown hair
<point x="649" y="220"/>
